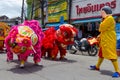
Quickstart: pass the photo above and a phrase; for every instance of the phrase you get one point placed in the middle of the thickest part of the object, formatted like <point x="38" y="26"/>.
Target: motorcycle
<point x="88" y="45"/>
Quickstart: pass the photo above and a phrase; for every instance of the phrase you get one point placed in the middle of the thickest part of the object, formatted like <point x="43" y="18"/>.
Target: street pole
<point x="42" y="12"/>
<point x="32" y="9"/>
<point x="70" y="6"/>
<point x="22" y="11"/>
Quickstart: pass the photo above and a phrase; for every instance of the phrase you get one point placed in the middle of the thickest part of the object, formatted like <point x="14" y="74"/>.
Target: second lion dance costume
<point x="57" y="40"/>
<point x="23" y="40"/>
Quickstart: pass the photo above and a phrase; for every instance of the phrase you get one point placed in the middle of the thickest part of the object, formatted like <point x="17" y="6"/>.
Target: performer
<point x="55" y="41"/>
<point x="23" y="40"/>
<point x="107" y="39"/>
<point x="4" y="30"/>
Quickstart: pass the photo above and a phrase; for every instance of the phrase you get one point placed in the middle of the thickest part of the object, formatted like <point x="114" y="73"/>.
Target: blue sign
<point x="61" y="19"/>
<point x="118" y="35"/>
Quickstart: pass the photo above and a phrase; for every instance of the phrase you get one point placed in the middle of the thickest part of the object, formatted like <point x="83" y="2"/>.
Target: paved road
<point x="75" y="68"/>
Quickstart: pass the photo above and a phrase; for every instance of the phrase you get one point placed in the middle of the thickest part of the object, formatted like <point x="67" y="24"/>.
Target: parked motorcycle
<point x="88" y="45"/>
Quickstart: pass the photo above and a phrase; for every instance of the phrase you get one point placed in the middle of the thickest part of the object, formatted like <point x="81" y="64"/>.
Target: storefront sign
<point x="56" y="10"/>
<point x="95" y="7"/>
<point x="91" y="8"/>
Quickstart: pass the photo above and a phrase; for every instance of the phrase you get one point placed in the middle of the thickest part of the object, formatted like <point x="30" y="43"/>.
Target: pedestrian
<point x="107" y="43"/>
<point x="79" y="33"/>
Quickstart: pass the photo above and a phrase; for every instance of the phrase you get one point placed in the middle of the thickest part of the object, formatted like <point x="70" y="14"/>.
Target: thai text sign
<point x="91" y="8"/>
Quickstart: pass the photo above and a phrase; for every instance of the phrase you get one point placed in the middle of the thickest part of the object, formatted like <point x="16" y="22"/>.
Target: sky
<point x="11" y="8"/>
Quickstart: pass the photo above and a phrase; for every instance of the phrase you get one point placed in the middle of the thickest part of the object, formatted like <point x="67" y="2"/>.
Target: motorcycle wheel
<point x="92" y="50"/>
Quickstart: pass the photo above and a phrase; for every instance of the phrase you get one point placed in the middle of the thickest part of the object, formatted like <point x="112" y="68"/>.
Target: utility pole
<point x="32" y="9"/>
<point x="42" y="12"/>
<point x="70" y="6"/>
<point x="22" y="11"/>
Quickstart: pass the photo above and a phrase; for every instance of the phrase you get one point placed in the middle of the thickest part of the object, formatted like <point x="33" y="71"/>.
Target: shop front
<point x="86" y="14"/>
<point x="118" y="34"/>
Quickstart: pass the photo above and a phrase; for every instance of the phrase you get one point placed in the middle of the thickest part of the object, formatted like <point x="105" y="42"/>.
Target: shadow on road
<point x="81" y="53"/>
<point x="68" y="61"/>
<point x="63" y="60"/>
<point x="106" y="72"/>
<point x="29" y="68"/>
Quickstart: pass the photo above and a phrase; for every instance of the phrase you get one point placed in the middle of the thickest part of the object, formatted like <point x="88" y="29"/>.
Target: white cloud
<point x="10" y="8"/>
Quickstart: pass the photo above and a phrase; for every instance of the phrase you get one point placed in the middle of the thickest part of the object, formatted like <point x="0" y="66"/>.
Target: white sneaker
<point x="38" y="64"/>
<point x="21" y="65"/>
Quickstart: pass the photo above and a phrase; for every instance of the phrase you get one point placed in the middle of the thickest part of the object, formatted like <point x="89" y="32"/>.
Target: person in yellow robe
<point x="107" y="43"/>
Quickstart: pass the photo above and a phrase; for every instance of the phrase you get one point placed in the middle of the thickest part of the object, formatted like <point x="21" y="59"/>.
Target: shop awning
<point x="54" y="24"/>
<point x="87" y="20"/>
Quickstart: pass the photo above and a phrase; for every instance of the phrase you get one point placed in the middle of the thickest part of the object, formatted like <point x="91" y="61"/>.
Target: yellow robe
<point x="108" y="38"/>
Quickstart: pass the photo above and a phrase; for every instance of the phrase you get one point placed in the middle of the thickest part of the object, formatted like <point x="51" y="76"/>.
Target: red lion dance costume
<point x="55" y="41"/>
<point x="23" y="40"/>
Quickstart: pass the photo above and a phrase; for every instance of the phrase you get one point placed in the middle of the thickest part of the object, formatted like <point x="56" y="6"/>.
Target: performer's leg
<point x="22" y="63"/>
<point x="18" y="57"/>
<point x="116" y="67"/>
<point x="115" y="64"/>
<point x="9" y="56"/>
<point x="23" y="59"/>
<point x="54" y="52"/>
<point x="43" y="52"/>
<point x="97" y="66"/>
<point x="37" y="58"/>
<point x="100" y="60"/>
<point x="62" y="53"/>
<point x="49" y="54"/>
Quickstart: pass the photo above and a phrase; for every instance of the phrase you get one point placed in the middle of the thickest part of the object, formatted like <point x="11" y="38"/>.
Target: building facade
<point x="86" y="13"/>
